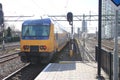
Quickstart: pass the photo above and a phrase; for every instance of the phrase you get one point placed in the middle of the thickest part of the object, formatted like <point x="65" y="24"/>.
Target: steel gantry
<point x="81" y="17"/>
<point x="16" y="18"/>
<point x="62" y="17"/>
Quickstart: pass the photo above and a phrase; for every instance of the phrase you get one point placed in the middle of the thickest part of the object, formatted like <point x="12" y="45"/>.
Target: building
<point x="108" y="20"/>
<point x="84" y="24"/>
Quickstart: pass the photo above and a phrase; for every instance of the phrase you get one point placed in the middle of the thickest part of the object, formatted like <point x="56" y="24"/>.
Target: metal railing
<point x="107" y="61"/>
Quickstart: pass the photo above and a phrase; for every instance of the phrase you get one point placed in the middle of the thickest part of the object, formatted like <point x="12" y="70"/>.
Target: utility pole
<point x="78" y="33"/>
<point x="99" y="38"/>
<point x="115" y="55"/>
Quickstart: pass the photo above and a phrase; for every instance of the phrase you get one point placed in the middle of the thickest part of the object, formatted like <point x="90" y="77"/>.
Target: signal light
<point x="1" y="15"/>
<point x="25" y="47"/>
<point x="69" y="17"/>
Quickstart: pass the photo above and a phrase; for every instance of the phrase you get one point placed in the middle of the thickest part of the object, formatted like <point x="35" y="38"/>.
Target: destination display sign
<point x="116" y="2"/>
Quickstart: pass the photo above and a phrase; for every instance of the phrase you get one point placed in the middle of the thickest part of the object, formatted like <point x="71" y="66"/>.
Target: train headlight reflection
<point x="43" y="47"/>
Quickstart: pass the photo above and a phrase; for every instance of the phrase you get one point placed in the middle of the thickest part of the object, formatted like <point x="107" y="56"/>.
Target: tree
<point x="9" y="34"/>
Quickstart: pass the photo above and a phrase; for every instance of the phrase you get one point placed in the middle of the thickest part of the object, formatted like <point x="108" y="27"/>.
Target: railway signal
<point x="1" y="15"/>
<point x="70" y="20"/>
<point x="2" y="25"/>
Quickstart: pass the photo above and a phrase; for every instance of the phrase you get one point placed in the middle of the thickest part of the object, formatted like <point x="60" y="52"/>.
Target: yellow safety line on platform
<point x="68" y="62"/>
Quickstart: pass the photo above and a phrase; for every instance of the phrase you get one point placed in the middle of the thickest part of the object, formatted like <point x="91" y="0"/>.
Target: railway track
<point x="89" y="55"/>
<point x="10" y="49"/>
<point x="109" y="45"/>
<point x="27" y="72"/>
<point x="8" y="45"/>
<point x="12" y="74"/>
<point x="85" y="53"/>
<point x="8" y="57"/>
<point x="31" y="71"/>
<point x="9" y="63"/>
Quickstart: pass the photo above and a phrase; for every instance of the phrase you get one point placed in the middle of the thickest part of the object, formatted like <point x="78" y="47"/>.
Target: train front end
<point x="37" y="41"/>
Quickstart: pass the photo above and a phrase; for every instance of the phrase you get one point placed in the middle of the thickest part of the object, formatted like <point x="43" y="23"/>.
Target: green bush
<point x="12" y="39"/>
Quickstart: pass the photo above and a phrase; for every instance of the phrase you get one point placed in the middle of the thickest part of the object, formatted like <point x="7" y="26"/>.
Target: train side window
<point x="56" y="36"/>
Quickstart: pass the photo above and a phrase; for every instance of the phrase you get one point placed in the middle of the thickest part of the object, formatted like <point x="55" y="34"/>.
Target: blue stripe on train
<point x="35" y="38"/>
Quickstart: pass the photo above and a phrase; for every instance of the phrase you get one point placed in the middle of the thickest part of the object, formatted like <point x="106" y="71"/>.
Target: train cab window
<point x="45" y="32"/>
<point x="28" y="31"/>
<point x="42" y="31"/>
<point x="36" y="31"/>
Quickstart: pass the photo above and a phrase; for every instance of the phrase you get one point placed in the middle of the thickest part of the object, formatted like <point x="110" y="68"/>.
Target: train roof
<point x="46" y="21"/>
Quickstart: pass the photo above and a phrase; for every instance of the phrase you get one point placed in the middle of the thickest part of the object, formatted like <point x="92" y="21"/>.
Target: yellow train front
<point x="40" y="39"/>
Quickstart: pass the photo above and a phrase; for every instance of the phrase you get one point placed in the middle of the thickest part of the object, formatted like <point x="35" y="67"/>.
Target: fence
<point x="107" y="61"/>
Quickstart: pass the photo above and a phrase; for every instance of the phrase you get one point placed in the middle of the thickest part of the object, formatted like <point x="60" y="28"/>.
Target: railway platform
<point x="71" y="70"/>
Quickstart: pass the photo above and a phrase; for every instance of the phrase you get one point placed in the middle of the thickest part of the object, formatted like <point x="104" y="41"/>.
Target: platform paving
<point x="71" y="70"/>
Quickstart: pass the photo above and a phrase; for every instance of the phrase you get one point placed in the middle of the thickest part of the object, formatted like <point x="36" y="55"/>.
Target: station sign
<point x="116" y="2"/>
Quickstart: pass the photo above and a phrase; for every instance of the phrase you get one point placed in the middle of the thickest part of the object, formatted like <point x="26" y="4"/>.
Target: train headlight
<point x="43" y="47"/>
<point x="25" y="47"/>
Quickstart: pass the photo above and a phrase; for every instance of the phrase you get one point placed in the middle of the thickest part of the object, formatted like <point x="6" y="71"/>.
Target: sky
<point x="38" y="8"/>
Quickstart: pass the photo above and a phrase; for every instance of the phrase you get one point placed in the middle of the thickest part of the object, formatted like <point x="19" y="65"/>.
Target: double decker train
<point x="40" y="39"/>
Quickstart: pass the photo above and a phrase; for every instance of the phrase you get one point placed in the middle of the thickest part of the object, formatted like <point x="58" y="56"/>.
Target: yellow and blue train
<point x="40" y="39"/>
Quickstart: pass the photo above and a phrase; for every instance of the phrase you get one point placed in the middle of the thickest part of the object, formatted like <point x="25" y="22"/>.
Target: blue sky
<point x="49" y="7"/>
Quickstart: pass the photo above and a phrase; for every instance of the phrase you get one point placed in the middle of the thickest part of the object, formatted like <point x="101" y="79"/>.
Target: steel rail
<point x="12" y="74"/>
<point x="8" y="57"/>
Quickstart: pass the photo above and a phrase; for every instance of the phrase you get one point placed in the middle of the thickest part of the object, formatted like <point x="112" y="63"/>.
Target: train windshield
<point x="38" y="31"/>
